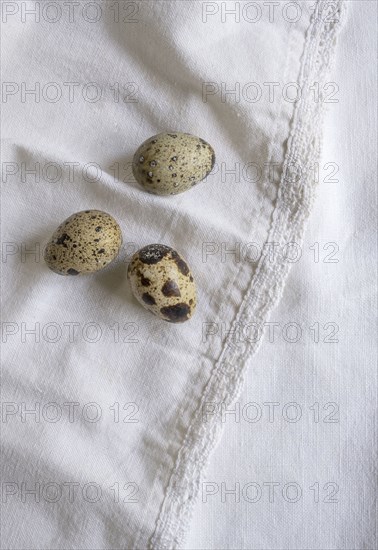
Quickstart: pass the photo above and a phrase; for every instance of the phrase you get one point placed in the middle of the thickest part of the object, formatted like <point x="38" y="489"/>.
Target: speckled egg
<point x="168" y="164"/>
<point x="85" y="242"/>
<point x="162" y="282"/>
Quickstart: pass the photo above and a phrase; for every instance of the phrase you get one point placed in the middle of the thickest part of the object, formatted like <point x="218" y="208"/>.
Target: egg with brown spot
<point x="84" y="243"/>
<point x="162" y="282"/>
<point x="171" y="163"/>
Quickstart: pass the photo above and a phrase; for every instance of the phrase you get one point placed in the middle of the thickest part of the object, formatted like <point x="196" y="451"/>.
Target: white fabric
<point x="328" y="435"/>
<point x="148" y="459"/>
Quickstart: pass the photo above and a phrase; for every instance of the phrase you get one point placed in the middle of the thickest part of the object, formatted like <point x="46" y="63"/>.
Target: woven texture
<point x="115" y="450"/>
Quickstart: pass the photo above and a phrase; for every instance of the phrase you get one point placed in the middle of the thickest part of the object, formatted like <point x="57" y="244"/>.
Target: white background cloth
<point x="126" y="384"/>
<point x="332" y="437"/>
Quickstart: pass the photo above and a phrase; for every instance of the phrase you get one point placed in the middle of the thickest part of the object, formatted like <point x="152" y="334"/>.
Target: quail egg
<point x="84" y="243"/>
<point x="162" y="282"/>
<point x="168" y="164"/>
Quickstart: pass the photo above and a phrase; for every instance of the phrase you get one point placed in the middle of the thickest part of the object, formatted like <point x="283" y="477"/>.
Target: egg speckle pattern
<point x="163" y="283"/>
<point x="168" y="164"/>
<point x="85" y="242"/>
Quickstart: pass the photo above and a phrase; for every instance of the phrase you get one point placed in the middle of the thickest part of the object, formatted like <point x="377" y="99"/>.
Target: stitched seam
<point x="294" y="200"/>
